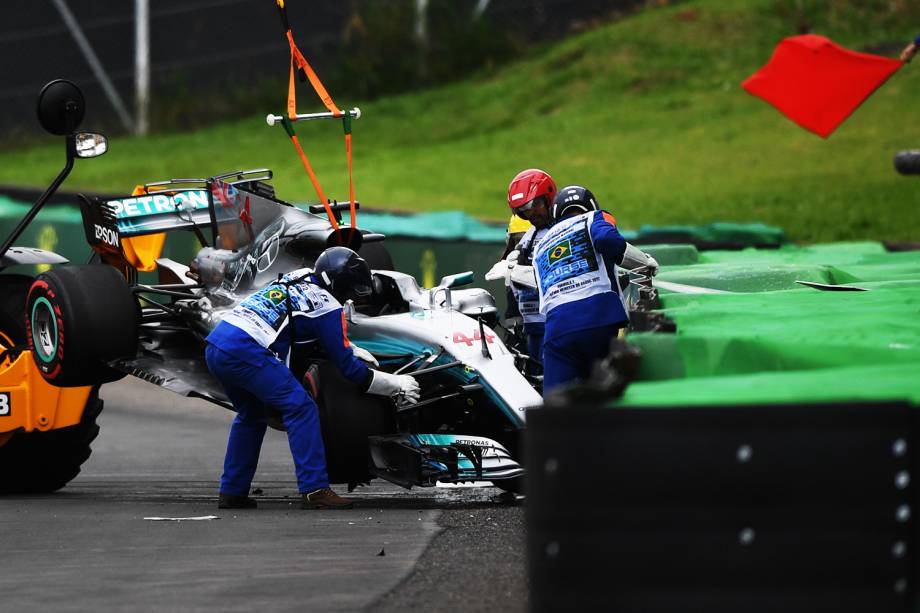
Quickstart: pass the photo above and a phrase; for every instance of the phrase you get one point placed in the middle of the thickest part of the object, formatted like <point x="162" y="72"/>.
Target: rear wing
<point x="240" y="211"/>
<point x="179" y="204"/>
<point x="131" y="230"/>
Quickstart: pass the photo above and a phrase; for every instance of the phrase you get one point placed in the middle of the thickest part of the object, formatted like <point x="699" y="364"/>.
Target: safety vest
<point x="576" y="270"/>
<point x="567" y="266"/>
<point x="264" y="314"/>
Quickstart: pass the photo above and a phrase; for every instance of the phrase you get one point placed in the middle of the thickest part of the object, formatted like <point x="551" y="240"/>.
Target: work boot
<point x="325" y="498"/>
<point x="229" y="501"/>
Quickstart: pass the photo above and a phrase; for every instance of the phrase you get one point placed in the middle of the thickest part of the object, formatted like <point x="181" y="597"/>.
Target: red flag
<point x="817" y="83"/>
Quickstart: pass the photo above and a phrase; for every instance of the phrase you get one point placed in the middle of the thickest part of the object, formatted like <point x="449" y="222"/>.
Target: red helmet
<point x="528" y="185"/>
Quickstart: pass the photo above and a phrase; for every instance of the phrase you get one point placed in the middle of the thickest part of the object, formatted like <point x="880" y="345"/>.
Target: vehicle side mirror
<point x="90" y="144"/>
<point x="60" y="107"/>
<point x="457" y="280"/>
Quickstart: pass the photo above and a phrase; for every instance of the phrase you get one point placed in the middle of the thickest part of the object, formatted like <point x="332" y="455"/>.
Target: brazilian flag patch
<point x="275" y="295"/>
<point x="560" y="251"/>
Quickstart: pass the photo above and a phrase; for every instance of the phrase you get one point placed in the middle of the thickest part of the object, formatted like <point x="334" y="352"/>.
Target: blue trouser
<point x="250" y="388"/>
<point x="535" y="346"/>
<point x="570" y="357"/>
<point x="535" y="351"/>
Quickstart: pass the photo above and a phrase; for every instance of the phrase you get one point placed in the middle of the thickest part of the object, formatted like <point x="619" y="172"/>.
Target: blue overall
<point x="576" y="267"/>
<point x="570" y="357"/>
<point x="534" y="341"/>
<point x="242" y="352"/>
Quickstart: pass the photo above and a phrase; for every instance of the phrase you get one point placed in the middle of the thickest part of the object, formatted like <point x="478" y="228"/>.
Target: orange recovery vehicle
<point x="45" y="430"/>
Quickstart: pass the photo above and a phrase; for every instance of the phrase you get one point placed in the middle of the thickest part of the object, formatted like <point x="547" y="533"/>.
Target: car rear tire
<point x="78" y="318"/>
<point x="39" y="462"/>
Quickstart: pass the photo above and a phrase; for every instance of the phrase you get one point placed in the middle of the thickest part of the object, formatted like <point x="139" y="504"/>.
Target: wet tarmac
<point x="93" y="546"/>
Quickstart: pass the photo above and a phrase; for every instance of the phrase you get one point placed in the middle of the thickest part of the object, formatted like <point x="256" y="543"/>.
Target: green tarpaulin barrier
<point x="772" y="340"/>
<point x="718" y="235"/>
<point x="450" y="225"/>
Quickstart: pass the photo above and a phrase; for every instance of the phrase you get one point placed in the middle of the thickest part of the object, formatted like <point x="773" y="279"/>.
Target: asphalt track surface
<point x="91" y="546"/>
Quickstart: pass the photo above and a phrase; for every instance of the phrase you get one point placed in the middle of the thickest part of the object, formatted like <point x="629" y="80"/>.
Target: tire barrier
<point x="730" y="508"/>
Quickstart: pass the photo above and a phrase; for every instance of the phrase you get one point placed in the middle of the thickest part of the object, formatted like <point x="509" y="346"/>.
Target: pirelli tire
<point x="39" y="462"/>
<point x="79" y="318"/>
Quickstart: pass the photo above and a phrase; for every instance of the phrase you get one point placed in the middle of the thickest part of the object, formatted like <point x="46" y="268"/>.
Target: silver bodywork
<point x="449" y="324"/>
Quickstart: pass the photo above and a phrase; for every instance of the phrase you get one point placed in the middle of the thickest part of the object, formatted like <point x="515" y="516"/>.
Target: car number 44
<point x="460" y="337"/>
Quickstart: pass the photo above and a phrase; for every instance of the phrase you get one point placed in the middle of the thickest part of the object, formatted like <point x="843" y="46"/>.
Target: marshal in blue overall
<point x="576" y="268"/>
<point x="249" y="353"/>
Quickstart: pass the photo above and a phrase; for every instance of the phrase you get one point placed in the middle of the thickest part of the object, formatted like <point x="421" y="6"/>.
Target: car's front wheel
<point x="348" y="416"/>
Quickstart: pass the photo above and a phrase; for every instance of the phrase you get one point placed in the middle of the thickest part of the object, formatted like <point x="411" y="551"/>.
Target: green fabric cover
<point x="725" y="233"/>
<point x="772" y="340"/>
<point x="673" y="255"/>
<point x="14" y="210"/>
<point x="450" y="225"/>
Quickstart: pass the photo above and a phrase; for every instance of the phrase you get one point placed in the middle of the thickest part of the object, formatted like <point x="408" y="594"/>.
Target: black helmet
<point x="343" y="273"/>
<point x="573" y="198"/>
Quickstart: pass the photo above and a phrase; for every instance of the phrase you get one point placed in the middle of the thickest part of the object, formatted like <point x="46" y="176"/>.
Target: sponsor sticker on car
<point x="155" y="204"/>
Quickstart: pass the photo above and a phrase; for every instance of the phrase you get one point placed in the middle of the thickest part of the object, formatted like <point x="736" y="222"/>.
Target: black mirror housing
<point x="60" y="107"/>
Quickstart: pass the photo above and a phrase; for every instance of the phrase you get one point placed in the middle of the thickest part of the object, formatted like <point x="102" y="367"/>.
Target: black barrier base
<point x="749" y="508"/>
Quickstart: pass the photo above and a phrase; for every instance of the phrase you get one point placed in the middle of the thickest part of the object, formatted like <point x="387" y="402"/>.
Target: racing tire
<point x="43" y="462"/>
<point x="377" y="256"/>
<point x="348" y="416"/>
<point x="39" y="462"/>
<point x="78" y="318"/>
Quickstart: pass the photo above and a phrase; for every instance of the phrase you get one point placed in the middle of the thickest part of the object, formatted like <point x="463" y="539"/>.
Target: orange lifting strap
<point x="299" y="62"/>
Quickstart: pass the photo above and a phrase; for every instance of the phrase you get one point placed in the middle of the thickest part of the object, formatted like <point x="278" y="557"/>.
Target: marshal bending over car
<point x="76" y="327"/>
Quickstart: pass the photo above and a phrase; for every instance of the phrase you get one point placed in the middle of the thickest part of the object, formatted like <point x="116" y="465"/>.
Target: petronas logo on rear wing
<point x="153" y="213"/>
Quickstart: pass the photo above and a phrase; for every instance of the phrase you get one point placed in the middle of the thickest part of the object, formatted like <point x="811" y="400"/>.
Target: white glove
<point x="386" y="384"/>
<point x="524" y="276"/>
<point x="497" y="271"/>
<point x="364" y="355"/>
<point x="502" y="268"/>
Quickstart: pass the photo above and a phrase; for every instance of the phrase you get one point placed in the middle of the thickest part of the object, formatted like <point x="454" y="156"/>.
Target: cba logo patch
<point x="275" y="295"/>
<point x="559" y="252"/>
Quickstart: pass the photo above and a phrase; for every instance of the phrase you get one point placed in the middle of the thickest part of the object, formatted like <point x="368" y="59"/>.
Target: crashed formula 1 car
<point x="76" y="327"/>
